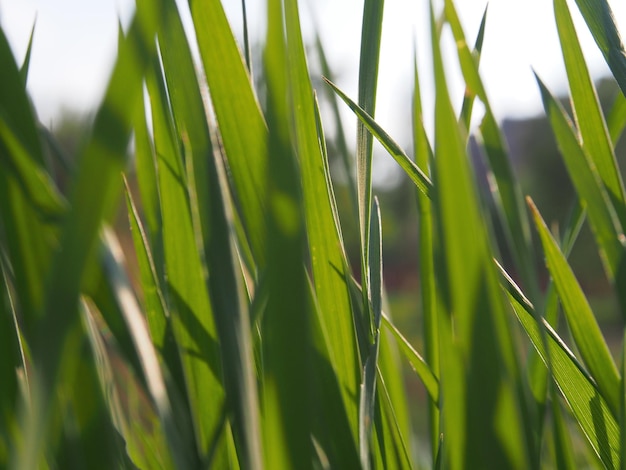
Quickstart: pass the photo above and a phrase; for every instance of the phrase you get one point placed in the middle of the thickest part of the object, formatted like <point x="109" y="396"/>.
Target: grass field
<point x="244" y="340"/>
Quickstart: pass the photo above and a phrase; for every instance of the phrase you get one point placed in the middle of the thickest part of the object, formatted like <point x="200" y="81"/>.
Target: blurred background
<point x="74" y="47"/>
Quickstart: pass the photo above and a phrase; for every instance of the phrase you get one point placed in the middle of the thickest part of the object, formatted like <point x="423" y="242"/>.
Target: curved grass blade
<point x="417" y="362"/>
<point x="580" y="391"/>
<point x="589" y="187"/>
<point x="593" y="133"/>
<point x="412" y="170"/>
<point x="580" y="318"/>
<point x="601" y="22"/>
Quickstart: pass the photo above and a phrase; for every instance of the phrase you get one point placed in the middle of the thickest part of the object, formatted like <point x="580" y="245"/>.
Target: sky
<point x="75" y="42"/>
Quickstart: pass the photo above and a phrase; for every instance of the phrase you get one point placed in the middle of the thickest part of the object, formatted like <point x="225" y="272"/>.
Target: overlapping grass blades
<point x="254" y="346"/>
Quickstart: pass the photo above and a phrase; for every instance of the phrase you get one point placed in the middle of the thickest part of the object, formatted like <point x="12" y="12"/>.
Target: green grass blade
<point x="371" y="31"/>
<point x="428" y="298"/>
<point x="241" y="123"/>
<point x="589" y="187"/>
<point x="418" y="364"/>
<point x="12" y="362"/>
<point x="468" y="99"/>
<point x="599" y="18"/>
<point x="390" y="434"/>
<point x="26" y="63"/>
<point x="590" y="409"/>
<point x="580" y="318"/>
<point x="155" y="306"/>
<point x="508" y="196"/>
<point x="14" y="103"/>
<point x="27" y="197"/>
<point x="209" y="195"/>
<point x="328" y="261"/>
<point x="367" y="397"/>
<point x="593" y="133"/>
<point x="412" y="170"/>
<point x="287" y="331"/>
<point x="187" y="295"/>
<point x="35" y="182"/>
<point x="616" y="120"/>
<point x="147" y="182"/>
<point x="96" y="187"/>
<point x="138" y="330"/>
<point x="478" y="362"/>
<point x="340" y="135"/>
<point x="246" y="40"/>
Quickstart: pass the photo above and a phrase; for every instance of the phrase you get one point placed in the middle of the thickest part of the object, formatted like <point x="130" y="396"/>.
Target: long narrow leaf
<point x="580" y="318"/>
<point x="601" y="22"/>
<point x="328" y="261"/>
<point x="417" y="176"/>
<point x="593" y="135"/>
<point x="579" y="390"/>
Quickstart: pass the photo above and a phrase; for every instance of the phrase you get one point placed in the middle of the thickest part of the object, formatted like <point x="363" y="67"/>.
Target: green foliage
<point x="243" y="339"/>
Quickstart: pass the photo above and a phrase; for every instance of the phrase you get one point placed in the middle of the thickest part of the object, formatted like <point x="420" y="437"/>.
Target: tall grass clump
<point x="244" y="339"/>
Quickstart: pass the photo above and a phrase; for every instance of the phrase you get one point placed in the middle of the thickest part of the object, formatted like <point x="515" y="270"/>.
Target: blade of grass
<point x="478" y="361"/>
<point x="396" y="451"/>
<point x="340" y="137"/>
<point x="138" y="330"/>
<point x="189" y="304"/>
<point x="26" y="64"/>
<point x="241" y="123"/>
<point x="599" y="18"/>
<point x="209" y="188"/>
<point x="508" y="194"/>
<point x="616" y="119"/>
<point x="423" y="158"/>
<point x="367" y="397"/>
<point x="393" y="399"/>
<point x="156" y="311"/>
<point x="593" y="133"/>
<point x="11" y="363"/>
<point x="328" y="260"/>
<point x="580" y="318"/>
<point x="418" y="364"/>
<point x="468" y="99"/>
<point x="287" y="322"/>
<point x="371" y="31"/>
<point x="589" y="187"/>
<point x="26" y="196"/>
<point x="95" y="189"/>
<point x="412" y="170"/>
<point x="590" y="409"/>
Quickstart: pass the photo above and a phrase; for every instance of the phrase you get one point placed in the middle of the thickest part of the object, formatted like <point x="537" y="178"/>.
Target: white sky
<point x="75" y="41"/>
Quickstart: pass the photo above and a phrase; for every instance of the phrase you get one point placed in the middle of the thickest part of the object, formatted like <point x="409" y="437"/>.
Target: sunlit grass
<point x="245" y="340"/>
